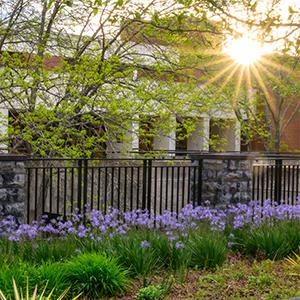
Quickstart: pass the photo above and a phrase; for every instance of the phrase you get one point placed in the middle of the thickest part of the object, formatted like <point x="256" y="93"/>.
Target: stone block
<point x="232" y="176"/>
<point x="17" y="210"/>
<point x="246" y="197"/>
<point x="8" y="178"/>
<point x="20" y="179"/>
<point x="13" y="195"/>
<point x="3" y="195"/>
<point x="245" y="186"/>
<point x="245" y="165"/>
<point x="210" y="186"/>
<point x="227" y="198"/>
<point x="232" y="165"/>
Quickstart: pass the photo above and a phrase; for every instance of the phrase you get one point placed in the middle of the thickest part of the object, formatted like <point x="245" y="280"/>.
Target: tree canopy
<point x="77" y="74"/>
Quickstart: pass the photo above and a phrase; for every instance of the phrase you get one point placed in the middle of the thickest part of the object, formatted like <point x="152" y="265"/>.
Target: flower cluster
<point x="111" y="223"/>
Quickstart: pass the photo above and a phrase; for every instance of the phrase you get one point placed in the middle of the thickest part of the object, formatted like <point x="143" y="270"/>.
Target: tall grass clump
<point x="207" y="249"/>
<point x="294" y="262"/>
<point x="95" y="275"/>
<point x="20" y="272"/>
<point x="136" y="252"/>
<point x="273" y="239"/>
<point x="171" y="254"/>
<point x="27" y="275"/>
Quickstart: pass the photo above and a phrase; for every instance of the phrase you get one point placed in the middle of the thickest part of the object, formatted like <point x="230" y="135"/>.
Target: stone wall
<point x="226" y="181"/>
<point x="12" y="187"/>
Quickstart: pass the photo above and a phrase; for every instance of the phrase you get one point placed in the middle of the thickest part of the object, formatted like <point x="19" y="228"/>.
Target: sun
<point x="245" y="51"/>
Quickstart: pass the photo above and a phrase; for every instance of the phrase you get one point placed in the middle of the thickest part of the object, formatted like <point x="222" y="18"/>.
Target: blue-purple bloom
<point x="145" y="244"/>
<point x="179" y="245"/>
<point x="108" y="224"/>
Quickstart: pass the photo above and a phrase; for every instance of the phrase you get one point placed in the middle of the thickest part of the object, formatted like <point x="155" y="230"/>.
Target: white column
<point x="166" y="141"/>
<point x="237" y="136"/>
<point x="199" y="140"/>
<point x="3" y="128"/>
<point x="127" y="144"/>
<point x="232" y="136"/>
<point x="135" y="136"/>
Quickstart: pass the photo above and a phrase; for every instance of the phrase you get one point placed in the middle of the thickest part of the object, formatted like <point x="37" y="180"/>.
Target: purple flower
<point x="145" y="244"/>
<point x="179" y="245"/>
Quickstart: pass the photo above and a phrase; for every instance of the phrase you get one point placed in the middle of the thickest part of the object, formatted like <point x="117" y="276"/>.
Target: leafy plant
<point x="171" y="254"/>
<point x="20" y="272"/>
<point x="260" y="280"/>
<point x="294" y="261"/>
<point x="95" y="275"/>
<point x="207" y="250"/>
<point x="151" y="292"/>
<point x="136" y="253"/>
<point x="155" y="292"/>
<point x="269" y="240"/>
<point x="19" y="296"/>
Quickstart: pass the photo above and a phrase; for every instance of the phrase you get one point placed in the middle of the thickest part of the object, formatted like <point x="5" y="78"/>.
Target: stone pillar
<point x="199" y="140"/>
<point x="226" y="181"/>
<point x="12" y="187"/>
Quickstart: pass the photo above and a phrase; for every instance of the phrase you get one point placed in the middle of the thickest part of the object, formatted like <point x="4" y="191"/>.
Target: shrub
<point x="135" y="252"/>
<point x="170" y="254"/>
<point x="207" y="250"/>
<point x="95" y="275"/>
<point x="49" y="275"/>
<point x="269" y="240"/>
<point x="18" y="295"/>
<point x="24" y="274"/>
<point x="17" y="271"/>
<point x="294" y="261"/>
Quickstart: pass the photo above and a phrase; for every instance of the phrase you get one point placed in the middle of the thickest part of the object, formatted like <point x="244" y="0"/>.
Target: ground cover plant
<point x="104" y="255"/>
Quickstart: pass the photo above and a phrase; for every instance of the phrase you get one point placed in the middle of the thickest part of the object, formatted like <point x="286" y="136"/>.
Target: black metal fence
<point x="61" y="187"/>
<point x="277" y="179"/>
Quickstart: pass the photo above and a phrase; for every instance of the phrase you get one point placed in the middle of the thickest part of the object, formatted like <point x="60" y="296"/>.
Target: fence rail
<point x="278" y="181"/>
<point x="61" y="187"/>
<point x="64" y="187"/>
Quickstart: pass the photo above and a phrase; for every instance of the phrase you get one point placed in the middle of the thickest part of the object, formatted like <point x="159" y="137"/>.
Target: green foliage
<point x="18" y="294"/>
<point x="49" y="275"/>
<point x="261" y="280"/>
<point x="95" y="275"/>
<point x="19" y="272"/>
<point x="37" y="251"/>
<point x="294" y="261"/>
<point x="169" y="256"/>
<point x="207" y="250"/>
<point x="269" y="240"/>
<point x="129" y="251"/>
<point x="151" y="292"/>
<point x="28" y="275"/>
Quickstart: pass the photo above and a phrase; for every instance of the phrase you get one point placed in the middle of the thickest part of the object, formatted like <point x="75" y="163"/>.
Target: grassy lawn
<point x="238" y="278"/>
<point x="203" y="254"/>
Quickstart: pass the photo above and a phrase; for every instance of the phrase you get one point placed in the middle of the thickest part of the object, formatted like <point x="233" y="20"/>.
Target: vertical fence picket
<point x="153" y="184"/>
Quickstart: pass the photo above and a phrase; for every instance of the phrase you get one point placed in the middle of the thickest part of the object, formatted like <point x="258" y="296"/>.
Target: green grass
<point x="105" y="267"/>
<point x="272" y="241"/>
<point x="207" y="250"/>
<point x="95" y="275"/>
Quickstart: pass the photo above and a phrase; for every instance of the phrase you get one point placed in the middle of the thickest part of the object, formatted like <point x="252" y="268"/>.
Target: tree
<point x="77" y="74"/>
<point x="274" y="103"/>
<point x="81" y="72"/>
